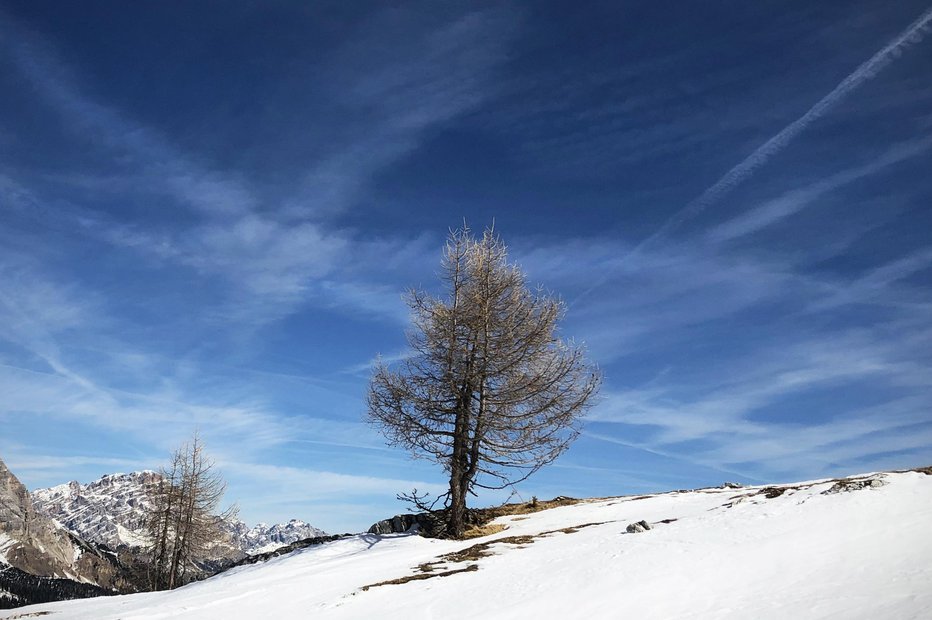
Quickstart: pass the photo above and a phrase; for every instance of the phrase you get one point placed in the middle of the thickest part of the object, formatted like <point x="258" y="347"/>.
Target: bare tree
<point x="491" y="392"/>
<point x="181" y="523"/>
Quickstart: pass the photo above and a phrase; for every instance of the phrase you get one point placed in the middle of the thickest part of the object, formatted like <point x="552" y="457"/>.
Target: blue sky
<point x="209" y="211"/>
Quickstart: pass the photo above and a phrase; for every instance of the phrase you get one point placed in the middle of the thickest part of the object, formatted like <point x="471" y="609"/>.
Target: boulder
<point x="640" y="526"/>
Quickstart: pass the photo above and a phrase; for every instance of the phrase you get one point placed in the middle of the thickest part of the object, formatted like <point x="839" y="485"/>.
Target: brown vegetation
<point x="473" y="553"/>
<point x="491" y="393"/>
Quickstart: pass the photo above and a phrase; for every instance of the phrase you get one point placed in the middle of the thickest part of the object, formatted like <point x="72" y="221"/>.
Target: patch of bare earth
<point x="421" y="576"/>
<point x="441" y="567"/>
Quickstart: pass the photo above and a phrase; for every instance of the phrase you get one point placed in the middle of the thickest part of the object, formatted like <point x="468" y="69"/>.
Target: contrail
<point x="913" y="34"/>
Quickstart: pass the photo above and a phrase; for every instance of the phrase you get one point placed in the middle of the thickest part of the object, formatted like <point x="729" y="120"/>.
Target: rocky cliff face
<point x="108" y="511"/>
<point x="111" y="511"/>
<point x="35" y="544"/>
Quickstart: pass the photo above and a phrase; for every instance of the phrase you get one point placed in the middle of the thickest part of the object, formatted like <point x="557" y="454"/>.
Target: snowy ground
<point x="730" y="553"/>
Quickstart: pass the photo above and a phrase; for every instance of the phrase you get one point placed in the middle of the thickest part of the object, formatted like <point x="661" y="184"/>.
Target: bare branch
<point x="492" y="394"/>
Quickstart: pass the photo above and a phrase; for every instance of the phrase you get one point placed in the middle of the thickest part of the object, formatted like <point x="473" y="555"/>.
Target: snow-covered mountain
<point x="854" y="548"/>
<point x="111" y="511"/>
<point x="35" y="551"/>
<point x="263" y="537"/>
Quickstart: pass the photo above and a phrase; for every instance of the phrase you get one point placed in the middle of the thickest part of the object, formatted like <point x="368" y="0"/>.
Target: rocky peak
<point x="15" y="505"/>
<point x="35" y="544"/>
<point x="111" y="511"/>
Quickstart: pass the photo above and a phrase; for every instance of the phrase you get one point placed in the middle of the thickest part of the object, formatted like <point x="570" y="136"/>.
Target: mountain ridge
<point x="111" y="511"/>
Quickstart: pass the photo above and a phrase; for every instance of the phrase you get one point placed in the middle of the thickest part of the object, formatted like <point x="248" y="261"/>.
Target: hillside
<point x="854" y="548"/>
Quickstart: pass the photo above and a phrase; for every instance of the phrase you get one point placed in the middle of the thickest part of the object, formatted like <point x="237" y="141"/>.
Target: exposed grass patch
<point x="481" y="516"/>
<point x="573" y="529"/>
<point x="429" y="570"/>
<point x="481" y="550"/>
<point x="421" y="577"/>
<point x="483" y="530"/>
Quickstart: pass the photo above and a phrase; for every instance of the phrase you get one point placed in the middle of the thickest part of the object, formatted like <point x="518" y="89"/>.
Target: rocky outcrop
<point x="15" y="506"/>
<point x="294" y="546"/>
<point x="425" y="522"/>
<point x="846" y="485"/>
<point x="35" y="544"/>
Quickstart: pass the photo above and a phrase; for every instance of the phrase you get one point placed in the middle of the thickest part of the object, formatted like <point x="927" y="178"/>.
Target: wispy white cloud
<point x="288" y="482"/>
<point x="64" y="466"/>
<point x="41" y="377"/>
<point x="795" y="200"/>
<point x="860" y="433"/>
<point x="434" y="72"/>
<point x="875" y="286"/>
<point x="365" y="368"/>
<point x="733" y="434"/>
<point x="277" y="256"/>
<point x="912" y="35"/>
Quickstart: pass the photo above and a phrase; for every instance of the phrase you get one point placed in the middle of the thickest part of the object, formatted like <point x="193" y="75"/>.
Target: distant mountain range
<point x="75" y="540"/>
<point x="111" y="511"/>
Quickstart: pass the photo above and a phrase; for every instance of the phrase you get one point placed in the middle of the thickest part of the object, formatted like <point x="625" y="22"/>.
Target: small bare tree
<point x="181" y="523"/>
<point x="491" y="392"/>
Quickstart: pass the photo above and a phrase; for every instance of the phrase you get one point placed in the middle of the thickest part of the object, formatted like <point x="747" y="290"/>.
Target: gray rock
<point x="640" y="526"/>
<point x="846" y="485"/>
<point x="424" y="522"/>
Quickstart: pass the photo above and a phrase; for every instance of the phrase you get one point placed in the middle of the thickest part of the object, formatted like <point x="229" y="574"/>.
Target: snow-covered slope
<point x="858" y="549"/>
<point x="111" y="511"/>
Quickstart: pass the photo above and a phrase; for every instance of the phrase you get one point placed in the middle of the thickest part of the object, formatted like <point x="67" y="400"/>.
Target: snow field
<point x="857" y="554"/>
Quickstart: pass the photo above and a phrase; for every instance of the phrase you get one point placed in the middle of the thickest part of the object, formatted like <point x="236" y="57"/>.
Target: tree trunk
<point x="456" y="521"/>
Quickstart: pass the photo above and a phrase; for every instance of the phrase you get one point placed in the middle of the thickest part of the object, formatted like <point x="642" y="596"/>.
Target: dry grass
<point x="479" y="531"/>
<point x="473" y="553"/>
<point x="482" y="516"/>
<point x="481" y="550"/>
<point x="421" y="577"/>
